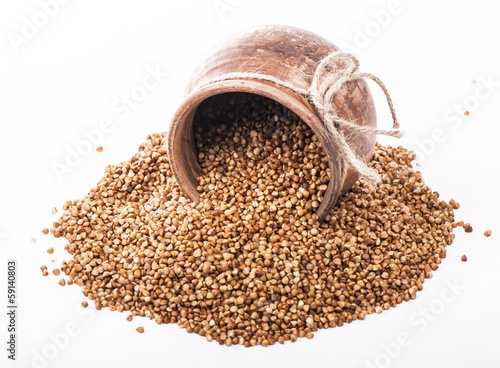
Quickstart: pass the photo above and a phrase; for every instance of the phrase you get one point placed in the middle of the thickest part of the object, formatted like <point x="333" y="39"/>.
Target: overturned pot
<point x="277" y="62"/>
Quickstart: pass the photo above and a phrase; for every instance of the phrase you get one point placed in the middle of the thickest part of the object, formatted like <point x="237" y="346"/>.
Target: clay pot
<point x="292" y="56"/>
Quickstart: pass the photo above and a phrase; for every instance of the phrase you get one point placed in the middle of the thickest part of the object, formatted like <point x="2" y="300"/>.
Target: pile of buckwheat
<point x="250" y="264"/>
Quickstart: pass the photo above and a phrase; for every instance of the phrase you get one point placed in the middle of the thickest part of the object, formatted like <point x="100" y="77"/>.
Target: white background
<point x="68" y="75"/>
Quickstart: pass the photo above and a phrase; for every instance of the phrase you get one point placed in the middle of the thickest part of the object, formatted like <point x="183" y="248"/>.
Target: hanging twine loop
<point x="332" y="73"/>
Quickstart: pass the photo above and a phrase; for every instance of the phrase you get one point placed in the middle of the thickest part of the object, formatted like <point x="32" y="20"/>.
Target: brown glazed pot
<point x="291" y="55"/>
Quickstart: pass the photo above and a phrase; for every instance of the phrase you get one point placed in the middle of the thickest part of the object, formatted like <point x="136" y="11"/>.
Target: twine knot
<point x="330" y="76"/>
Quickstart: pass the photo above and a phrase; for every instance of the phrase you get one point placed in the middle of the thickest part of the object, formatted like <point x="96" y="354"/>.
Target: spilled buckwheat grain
<point x="250" y="263"/>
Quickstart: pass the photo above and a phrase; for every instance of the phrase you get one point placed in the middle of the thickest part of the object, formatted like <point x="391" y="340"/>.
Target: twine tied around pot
<point x="330" y="76"/>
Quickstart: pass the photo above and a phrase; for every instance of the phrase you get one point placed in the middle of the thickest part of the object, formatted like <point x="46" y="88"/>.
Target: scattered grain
<point x="250" y="264"/>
